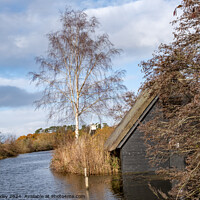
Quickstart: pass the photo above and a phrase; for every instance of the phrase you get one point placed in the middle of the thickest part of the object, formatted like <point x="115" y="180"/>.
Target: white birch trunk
<point x="77" y="106"/>
<point x="77" y="126"/>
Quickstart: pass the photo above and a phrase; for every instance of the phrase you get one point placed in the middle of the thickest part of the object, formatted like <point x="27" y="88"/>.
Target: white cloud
<point x="18" y="82"/>
<point x="137" y="27"/>
<point x="24" y="33"/>
<point x="21" y="121"/>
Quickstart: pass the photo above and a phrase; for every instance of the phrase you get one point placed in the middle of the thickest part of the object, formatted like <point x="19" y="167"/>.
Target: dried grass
<point x="86" y="152"/>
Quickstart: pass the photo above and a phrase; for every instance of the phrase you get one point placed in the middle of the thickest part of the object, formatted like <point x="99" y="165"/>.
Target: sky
<point x="137" y="27"/>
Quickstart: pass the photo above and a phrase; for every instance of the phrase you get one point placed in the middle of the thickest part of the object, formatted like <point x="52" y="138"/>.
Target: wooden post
<point x="86" y="179"/>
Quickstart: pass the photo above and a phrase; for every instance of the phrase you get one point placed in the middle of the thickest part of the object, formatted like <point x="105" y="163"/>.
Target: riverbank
<point x="12" y="147"/>
<point x="8" y="149"/>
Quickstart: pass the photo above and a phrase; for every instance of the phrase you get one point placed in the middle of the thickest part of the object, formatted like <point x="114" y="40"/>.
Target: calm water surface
<point x="28" y="177"/>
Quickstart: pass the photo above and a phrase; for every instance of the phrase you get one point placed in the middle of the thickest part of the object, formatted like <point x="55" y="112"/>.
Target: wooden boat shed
<point x="127" y="140"/>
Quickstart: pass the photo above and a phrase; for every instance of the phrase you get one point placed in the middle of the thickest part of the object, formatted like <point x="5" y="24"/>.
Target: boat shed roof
<point x="143" y="104"/>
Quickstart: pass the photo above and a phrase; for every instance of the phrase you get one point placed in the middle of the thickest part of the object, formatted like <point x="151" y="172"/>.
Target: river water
<point x="28" y="176"/>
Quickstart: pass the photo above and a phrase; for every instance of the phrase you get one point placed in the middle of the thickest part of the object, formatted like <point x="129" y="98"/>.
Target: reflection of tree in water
<point x="136" y="186"/>
<point x="121" y="186"/>
<point x="117" y="185"/>
<point x="73" y="184"/>
<point x="99" y="186"/>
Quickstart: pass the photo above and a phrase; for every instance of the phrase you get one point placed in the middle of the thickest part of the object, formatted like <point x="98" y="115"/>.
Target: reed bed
<point x="86" y="152"/>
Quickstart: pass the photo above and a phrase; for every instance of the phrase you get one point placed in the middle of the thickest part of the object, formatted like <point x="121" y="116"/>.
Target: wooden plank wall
<point x="133" y="152"/>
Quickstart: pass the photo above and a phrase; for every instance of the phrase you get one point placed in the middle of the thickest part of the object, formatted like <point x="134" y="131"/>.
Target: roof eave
<point x="129" y="120"/>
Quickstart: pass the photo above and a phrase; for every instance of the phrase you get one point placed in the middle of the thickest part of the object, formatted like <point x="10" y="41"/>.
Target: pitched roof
<point x="143" y="103"/>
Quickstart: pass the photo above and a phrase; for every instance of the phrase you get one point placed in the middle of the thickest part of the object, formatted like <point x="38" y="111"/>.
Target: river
<point x="28" y="176"/>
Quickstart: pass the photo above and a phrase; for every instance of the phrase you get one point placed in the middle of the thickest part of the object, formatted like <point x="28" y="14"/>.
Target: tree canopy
<point x="77" y="74"/>
<point x="173" y="73"/>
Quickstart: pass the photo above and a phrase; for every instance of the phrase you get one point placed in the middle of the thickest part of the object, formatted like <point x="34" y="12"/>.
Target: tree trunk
<point x="77" y="126"/>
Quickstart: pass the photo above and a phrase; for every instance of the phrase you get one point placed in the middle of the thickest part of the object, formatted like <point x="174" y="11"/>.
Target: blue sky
<point x="136" y="27"/>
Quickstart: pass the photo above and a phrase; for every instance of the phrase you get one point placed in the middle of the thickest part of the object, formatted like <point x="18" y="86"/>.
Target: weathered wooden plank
<point x="129" y="120"/>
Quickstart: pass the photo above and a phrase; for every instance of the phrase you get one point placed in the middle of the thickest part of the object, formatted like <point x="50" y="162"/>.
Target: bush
<point x="8" y="148"/>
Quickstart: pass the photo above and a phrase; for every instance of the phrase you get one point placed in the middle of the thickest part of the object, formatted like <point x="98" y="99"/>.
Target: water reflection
<point x="136" y="186"/>
<point x="126" y="186"/>
<point x="99" y="186"/>
<point x="29" y="174"/>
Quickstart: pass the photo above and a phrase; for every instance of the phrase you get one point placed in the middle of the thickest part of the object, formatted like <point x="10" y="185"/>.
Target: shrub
<point x="8" y="148"/>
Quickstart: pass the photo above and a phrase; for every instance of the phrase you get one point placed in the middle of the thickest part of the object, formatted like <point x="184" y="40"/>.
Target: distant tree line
<point x="65" y="128"/>
<point x="42" y="139"/>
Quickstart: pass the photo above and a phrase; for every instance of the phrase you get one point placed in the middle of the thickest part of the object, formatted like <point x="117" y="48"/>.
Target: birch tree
<point x="77" y="74"/>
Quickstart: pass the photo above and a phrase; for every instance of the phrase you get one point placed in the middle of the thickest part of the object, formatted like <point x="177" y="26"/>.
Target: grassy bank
<point x="87" y="151"/>
<point x="11" y="146"/>
<point x="8" y="148"/>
